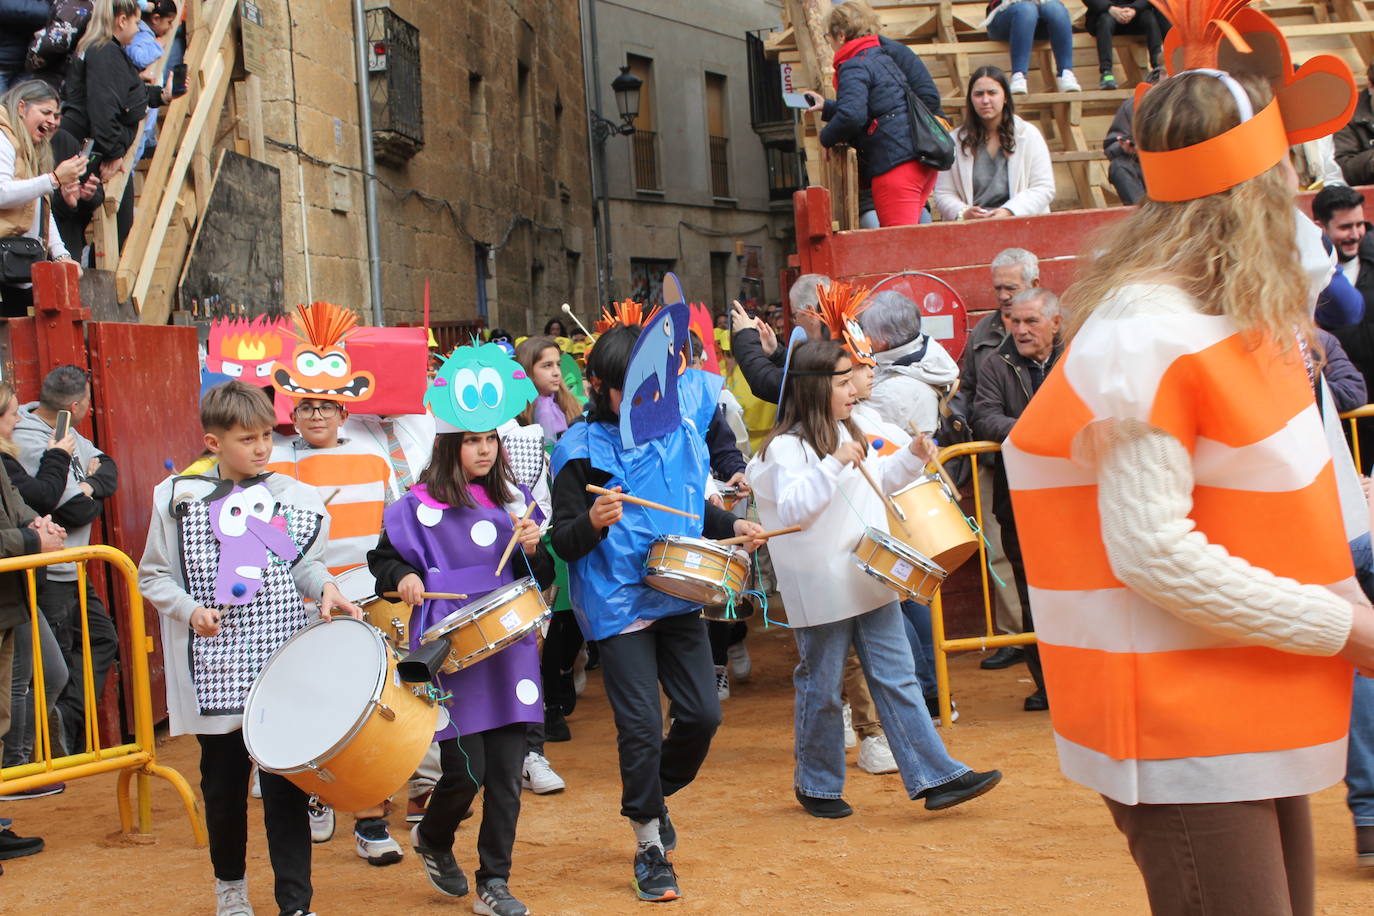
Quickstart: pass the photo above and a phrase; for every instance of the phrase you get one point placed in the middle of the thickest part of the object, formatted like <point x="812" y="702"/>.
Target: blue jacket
<point x="19" y="19"/>
<point x="869" y="110"/>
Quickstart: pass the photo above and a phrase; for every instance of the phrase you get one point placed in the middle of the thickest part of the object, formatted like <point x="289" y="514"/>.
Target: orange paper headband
<point x="1241" y="153"/>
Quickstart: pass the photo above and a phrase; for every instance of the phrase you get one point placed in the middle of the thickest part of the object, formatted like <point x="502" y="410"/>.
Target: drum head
<point x="313" y="692"/>
<point x="357" y="584"/>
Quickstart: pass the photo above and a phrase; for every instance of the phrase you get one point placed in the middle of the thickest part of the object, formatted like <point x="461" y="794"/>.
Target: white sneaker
<point x="231" y="898"/>
<point x="875" y="756"/>
<point x="538" y="776"/>
<point x="321" y="821"/>
<point x="740" y="665"/>
<point x="255" y="787"/>
<point x="373" y="842"/>
<point x="1018" y="84"/>
<point x="850" y="738"/>
<point x="1067" y="82"/>
<point x="723" y="682"/>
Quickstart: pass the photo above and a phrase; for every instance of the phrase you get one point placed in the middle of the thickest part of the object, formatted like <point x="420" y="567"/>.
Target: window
<point x="646" y="280"/>
<point x="783" y="171"/>
<point x="526" y="109"/>
<point x="717" y="135"/>
<point x="720" y="268"/>
<point x="477" y="108"/>
<point x="645" y="139"/>
<point x="393" y="65"/>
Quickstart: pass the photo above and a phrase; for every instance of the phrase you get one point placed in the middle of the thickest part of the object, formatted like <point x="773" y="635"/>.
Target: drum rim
<point x="923" y="480"/>
<point x="477" y="609"/>
<point x="354" y="570"/>
<point x="316" y="763"/>
<point x="509" y="639"/>
<point x="707" y="545"/>
<point x="902" y="549"/>
<point x="676" y="576"/>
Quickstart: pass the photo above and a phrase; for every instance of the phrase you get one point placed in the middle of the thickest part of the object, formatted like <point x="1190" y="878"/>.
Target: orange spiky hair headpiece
<point x="320" y="366"/>
<point x="324" y="324"/>
<point x="1225" y="37"/>
<point x="839" y="309"/>
<point x="627" y="312"/>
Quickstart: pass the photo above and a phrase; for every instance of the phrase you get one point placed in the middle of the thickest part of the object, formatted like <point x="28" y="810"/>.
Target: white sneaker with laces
<point x="321" y="821"/>
<point x="1018" y="84"/>
<point x="850" y="738"/>
<point x="373" y="841"/>
<point x="740" y="665"/>
<point x="231" y="898"/>
<point x="1068" y="82"/>
<point x="875" y="756"/>
<point x="538" y="776"/>
<point x="255" y="788"/>
<point x="723" y="682"/>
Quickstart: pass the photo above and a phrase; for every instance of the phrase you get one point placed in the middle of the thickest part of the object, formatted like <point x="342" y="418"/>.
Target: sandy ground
<point x="1037" y="844"/>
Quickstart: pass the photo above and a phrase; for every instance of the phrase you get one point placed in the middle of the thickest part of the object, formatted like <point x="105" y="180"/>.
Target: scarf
<point x="851" y="48"/>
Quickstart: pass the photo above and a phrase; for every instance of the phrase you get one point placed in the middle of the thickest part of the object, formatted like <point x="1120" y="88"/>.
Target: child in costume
<point x="806" y="473"/>
<point x="447" y="534"/>
<point x="229" y="559"/>
<point x="643" y="434"/>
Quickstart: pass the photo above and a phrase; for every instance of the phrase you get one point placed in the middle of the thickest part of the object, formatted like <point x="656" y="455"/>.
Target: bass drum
<point x="943" y="314"/>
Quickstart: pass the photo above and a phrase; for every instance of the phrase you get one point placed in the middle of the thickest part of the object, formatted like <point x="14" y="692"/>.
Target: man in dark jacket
<point x="1355" y="141"/>
<point x="1007" y="381"/>
<point x="1339" y="211"/>
<point x="1347" y="384"/>
<point x="19" y="19"/>
<point x="755" y="346"/>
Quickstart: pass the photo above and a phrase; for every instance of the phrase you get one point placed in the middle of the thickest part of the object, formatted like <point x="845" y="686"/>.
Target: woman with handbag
<point x="873" y="111"/>
<point x="28" y="118"/>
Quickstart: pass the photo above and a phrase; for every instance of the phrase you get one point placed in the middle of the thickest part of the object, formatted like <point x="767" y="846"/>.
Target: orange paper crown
<point x="324" y="324"/>
<point x="627" y="312"/>
<point x="1227" y="35"/>
<point x="839" y="309"/>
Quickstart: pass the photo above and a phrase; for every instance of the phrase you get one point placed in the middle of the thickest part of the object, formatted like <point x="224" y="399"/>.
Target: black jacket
<point x="43" y="491"/>
<point x="1355" y="144"/>
<point x="104" y="98"/>
<point x="1358" y="338"/>
<point x="869" y="111"/>
<point x="16" y="539"/>
<point x="1006" y="383"/>
<point x="763" y="371"/>
<point x="19" y="19"/>
<point x="1348" y="388"/>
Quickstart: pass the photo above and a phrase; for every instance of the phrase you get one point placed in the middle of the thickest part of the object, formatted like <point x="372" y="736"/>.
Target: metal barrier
<point x="137" y="759"/>
<point x="1353" y="415"/>
<point x="991" y="639"/>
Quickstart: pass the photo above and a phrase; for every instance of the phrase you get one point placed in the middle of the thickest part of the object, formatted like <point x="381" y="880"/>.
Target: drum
<point x="938" y="527"/>
<point x="742" y="609"/>
<point x="482" y="629"/>
<point x="696" y="570"/>
<point x="329" y="713"/>
<point x="897" y="566"/>
<point x="359" y="587"/>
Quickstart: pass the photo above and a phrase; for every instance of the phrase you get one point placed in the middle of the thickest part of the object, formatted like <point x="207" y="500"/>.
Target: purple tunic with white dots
<point x="456" y="550"/>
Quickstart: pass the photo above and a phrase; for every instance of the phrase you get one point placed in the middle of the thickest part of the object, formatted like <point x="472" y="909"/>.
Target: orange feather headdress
<point x="840" y="306"/>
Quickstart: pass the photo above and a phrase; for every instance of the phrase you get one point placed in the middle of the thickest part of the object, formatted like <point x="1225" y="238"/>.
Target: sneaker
<point x="1108" y="81"/>
<point x="1067" y="82"/>
<point x="1018" y="84"/>
<point x="824" y="807"/>
<point x="415" y="807"/>
<point x="321" y="821"/>
<point x="1364" y="847"/>
<point x="539" y="777"/>
<point x="654" y="878"/>
<point x="933" y="706"/>
<point x="740" y="665"/>
<point x="373" y="841"/>
<point x="13" y="846"/>
<point x="255" y="787"/>
<point x="6" y="823"/>
<point x="851" y="739"/>
<point x="231" y="898"/>
<point x="957" y="791"/>
<point x="723" y="682"/>
<point x="495" y="899"/>
<point x="667" y="833"/>
<point x="55" y="788"/>
<point x="442" y="868"/>
<point x="875" y="756"/>
<point x="556" y="725"/>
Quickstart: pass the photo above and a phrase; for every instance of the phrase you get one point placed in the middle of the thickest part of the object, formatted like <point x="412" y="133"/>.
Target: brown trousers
<point x="1249" y="858"/>
<point x="855" y="692"/>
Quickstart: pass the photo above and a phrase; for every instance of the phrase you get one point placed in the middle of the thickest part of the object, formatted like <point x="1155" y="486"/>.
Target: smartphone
<point x="178" y="80"/>
<point x="87" y="148"/>
<point x="64" y="425"/>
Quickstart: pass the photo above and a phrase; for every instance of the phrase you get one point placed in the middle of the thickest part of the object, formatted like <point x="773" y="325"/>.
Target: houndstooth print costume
<point x="525" y="451"/>
<point x="224" y="667"/>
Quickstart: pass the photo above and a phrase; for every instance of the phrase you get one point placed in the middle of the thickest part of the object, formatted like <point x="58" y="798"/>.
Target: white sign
<point x="791" y="94"/>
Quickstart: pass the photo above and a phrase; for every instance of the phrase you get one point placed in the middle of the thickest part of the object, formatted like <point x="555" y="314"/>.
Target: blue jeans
<point x="1359" y="761"/>
<point x="916" y="621"/>
<point x="1024" y="21"/>
<point x="23" y="728"/>
<point x="885" y="655"/>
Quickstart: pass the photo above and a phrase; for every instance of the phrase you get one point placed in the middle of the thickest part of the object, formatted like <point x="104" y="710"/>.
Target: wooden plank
<point x="252" y="90"/>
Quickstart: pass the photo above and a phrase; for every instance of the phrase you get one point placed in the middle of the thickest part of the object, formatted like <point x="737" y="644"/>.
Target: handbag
<point x="53" y="43"/>
<point x="18" y="253"/>
<point x="933" y="145"/>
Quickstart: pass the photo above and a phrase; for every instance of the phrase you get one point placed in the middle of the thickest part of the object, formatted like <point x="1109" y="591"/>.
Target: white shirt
<point x="1351" y="269"/>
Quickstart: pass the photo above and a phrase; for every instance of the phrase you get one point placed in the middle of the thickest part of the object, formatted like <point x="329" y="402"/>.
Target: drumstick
<point x="892" y="507"/>
<point x="505" y="555"/>
<point x="940" y="469"/>
<point x="430" y="596"/>
<point x="330" y="498"/>
<point x="567" y="309"/>
<point x="626" y="497"/>
<point x="762" y="536"/>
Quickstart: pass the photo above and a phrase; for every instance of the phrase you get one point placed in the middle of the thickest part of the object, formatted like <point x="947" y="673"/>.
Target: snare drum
<point x="696" y="570"/>
<point x="897" y="566"/>
<point x="479" y="630"/>
<point x="938" y="527"/>
<point x="359" y="587"/>
<point x="329" y="713"/>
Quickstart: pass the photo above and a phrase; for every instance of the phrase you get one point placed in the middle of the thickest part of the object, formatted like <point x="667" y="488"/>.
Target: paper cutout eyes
<point x="477" y="389"/>
<point x="235" y="509"/>
<point x="474" y="391"/>
<point x="249" y="531"/>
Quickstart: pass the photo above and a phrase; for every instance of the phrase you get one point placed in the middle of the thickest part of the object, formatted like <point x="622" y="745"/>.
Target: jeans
<point x="20" y="740"/>
<point x="885" y="654"/>
<point x="916" y="622"/>
<point x="491" y="761"/>
<point x="1024" y="21"/>
<point x="60" y="603"/>
<point x="1359" y="761"/>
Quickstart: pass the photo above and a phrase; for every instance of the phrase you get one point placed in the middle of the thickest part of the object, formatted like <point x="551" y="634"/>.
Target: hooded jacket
<point x="904" y="386"/>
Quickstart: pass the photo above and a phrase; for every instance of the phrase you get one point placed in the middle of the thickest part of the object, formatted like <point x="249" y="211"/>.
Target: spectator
<point x="554" y="327"/>
<point x="106" y="100"/>
<point x="1109" y="18"/>
<point x="1119" y="145"/>
<point x="1007" y="382"/>
<point x="913" y="369"/>
<point x="1001" y="166"/>
<point x="1020" y="22"/>
<point x="28" y="117"/>
<point x="1355" y="141"/>
<point x="1348" y="388"/>
<point x="19" y="19"/>
<point x="146" y="51"/>
<point x="91" y="480"/>
<point x="869" y="112"/>
<point x="754" y="343"/>
<point x="1339" y="211"/>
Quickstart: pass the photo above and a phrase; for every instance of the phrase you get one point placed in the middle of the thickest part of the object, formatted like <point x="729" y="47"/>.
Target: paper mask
<point x="839" y="309"/>
<point x="478" y="389"/>
<point x="650" y="406"/>
<point x="249" y="531"/>
<point x="397" y="358"/>
<point x="242" y="349"/>
<point x="320" y="366"/>
<point x="705" y="327"/>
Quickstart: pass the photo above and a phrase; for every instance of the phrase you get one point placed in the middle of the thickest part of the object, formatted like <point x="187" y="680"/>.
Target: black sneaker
<point x="957" y="791"/>
<point x="1364" y="846"/>
<point x="556" y="726"/>
<point x="1108" y="81"/>
<point x="667" y="833"/>
<point x="52" y="788"/>
<point x="442" y="868"/>
<point x="655" y="879"/>
<point x="495" y="899"/>
<point x="13" y="846"/>
<point x="824" y="807"/>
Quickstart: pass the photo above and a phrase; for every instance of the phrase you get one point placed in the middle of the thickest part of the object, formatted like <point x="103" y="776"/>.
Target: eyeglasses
<point x="325" y="411"/>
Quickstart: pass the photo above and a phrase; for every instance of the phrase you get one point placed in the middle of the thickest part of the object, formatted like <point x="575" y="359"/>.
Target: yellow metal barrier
<point x="1353" y="415"/>
<point x="991" y="639"/>
<point x="137" y="759"/>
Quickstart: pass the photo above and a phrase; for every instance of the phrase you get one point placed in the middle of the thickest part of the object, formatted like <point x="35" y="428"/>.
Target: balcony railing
<point x="645" y="144"/>
<point x="720" y="166"/>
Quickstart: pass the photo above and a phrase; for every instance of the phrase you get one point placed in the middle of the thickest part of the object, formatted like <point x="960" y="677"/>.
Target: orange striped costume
<point x="1149" y="706"/>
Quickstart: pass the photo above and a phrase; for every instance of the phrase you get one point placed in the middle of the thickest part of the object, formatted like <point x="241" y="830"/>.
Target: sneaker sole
<point x="984" y="789"/>
<point x="664" y="897"/>
<point x="37" y="793"/>
<point x="554" y="790"/>
<point x="1365" y="860"/>
<point x="435" y="884"/>
<point x="387" y="858"/>
<point x="21" y="853"/>
<point x="481" y="909"/>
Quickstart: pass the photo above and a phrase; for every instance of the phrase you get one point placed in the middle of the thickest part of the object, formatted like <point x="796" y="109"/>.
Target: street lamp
<point x="626" y="87"/>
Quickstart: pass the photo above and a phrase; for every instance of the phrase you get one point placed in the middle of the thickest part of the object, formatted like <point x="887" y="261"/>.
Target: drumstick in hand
<point x="626" y="497"/>
<point x="429" y="596"/>
<point x="940" y="467"/>
<point x="510" y="545"/>
<point x="763" y="536"/>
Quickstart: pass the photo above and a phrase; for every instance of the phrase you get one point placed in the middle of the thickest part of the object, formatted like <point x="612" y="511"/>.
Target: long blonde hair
<point x="30" y="92"/>
<point x="100" y="28"/>
<point x="1235" y="252"/>
<point x="7" y="398"/>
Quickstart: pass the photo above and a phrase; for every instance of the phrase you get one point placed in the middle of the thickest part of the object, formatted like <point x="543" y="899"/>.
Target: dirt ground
<point x="1037" y="844"/>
